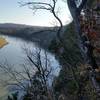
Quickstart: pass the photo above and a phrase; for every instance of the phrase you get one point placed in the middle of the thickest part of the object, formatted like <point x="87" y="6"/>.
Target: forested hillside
<point x="38" y="34"/>
<point x="76" y="47"/>
<point x="75" y="77"/>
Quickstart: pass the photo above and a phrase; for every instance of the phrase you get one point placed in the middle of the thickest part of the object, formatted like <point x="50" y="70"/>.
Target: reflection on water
<point x="13" y="54"/>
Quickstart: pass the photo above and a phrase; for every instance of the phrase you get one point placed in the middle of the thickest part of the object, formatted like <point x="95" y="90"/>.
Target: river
<point x="13" y="54"/>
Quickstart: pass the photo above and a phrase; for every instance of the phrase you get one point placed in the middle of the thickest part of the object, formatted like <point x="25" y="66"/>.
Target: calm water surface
<point x="13" y="54"/>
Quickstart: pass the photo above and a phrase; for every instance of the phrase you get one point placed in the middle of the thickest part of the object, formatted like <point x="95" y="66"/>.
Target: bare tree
<point x="75" y="7"/>
<point x="49" y="5"/>
<point x="34" y="80"/>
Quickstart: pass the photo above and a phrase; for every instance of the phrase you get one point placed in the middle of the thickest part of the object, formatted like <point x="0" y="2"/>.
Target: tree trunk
<point x="83" y="42"/>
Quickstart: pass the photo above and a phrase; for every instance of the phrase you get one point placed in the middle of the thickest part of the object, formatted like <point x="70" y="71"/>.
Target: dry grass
<point x="3" y="42"/>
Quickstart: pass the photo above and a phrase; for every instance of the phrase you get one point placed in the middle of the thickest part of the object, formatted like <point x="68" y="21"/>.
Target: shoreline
<point x="3" y="42"/>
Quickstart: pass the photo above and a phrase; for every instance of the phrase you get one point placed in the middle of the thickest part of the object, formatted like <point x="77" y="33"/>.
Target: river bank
<point x="3" y="42"/>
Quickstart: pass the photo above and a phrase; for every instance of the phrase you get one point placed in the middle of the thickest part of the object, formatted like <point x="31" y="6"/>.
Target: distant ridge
<point x="18" y="26"/>
<point x="39" y="34"/>
<point x="13" y="25"/>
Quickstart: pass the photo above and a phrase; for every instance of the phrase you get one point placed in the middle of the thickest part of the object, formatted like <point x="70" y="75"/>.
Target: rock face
<point x="3" y="42"/>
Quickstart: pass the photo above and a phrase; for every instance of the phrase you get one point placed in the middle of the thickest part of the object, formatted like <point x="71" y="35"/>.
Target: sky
<point x="11" y="12"/>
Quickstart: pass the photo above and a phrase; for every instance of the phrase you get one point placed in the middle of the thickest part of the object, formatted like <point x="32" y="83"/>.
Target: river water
<point x="13" y="54"/>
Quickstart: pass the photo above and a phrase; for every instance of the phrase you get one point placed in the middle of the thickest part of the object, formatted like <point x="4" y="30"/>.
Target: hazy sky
<point x="10" y="12"/>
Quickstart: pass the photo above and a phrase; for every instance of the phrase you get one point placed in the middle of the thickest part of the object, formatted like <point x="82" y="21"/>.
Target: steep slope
<point x="40" y="35"/>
